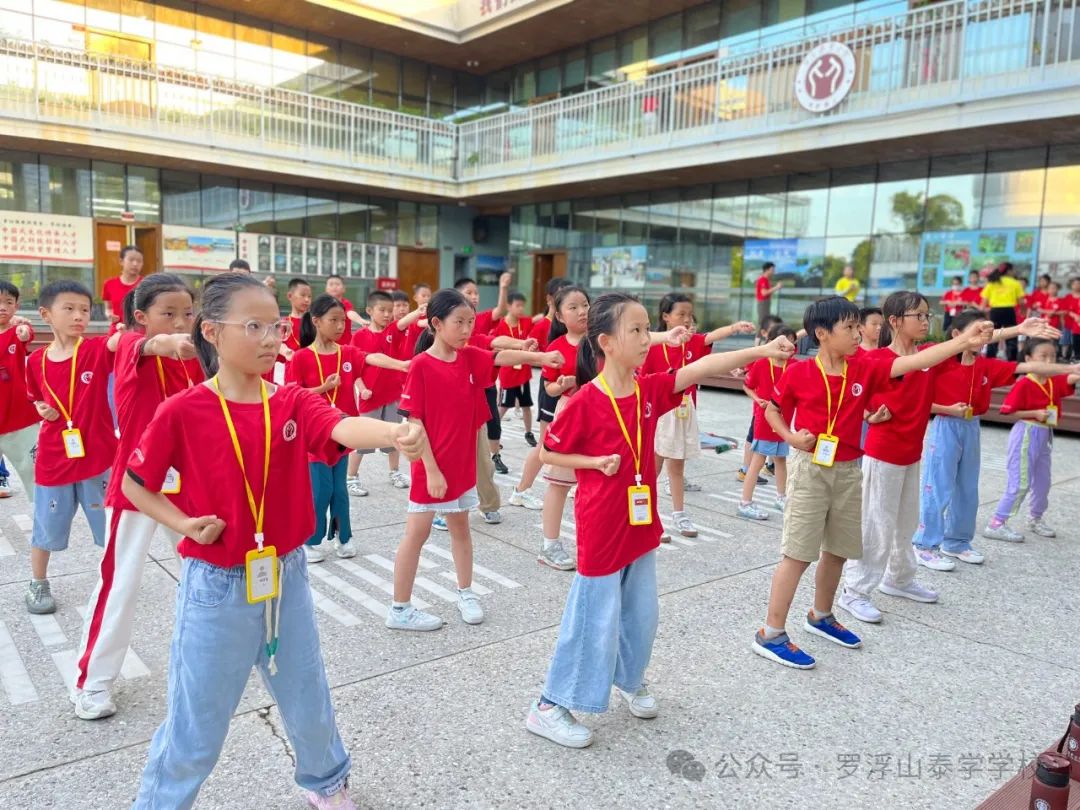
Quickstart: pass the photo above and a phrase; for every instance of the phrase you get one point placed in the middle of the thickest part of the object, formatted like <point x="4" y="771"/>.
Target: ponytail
<point x="604" y="315"/>
<point x="207" y="354"/>
<point x="586" y="362"/>
<point x="440" y="306"/>
<point x="307" y="330"/>
<point x="319" y="308"/>
<point x="895" y="306"/>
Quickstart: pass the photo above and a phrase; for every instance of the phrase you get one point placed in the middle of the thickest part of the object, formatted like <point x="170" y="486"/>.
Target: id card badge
<point x="171" y="485"/>
<point x="969" y="413"/>
<point x="825" y="450"/>
<point x="262" y="574"/>
<point x="73" y="443"/>
<point x="518" y="367"/>
<point x="640" y="499"/>
<point x="683" y="410"/>
<point x="1052" y="415"/>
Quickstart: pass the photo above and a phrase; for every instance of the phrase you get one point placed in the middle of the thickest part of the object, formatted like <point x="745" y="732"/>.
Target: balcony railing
<point x="938" y="54"/>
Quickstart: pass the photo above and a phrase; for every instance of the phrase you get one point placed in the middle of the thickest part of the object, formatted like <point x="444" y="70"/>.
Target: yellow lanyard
<point x="258" y="512"/>
<point x="971" y="391"/>
<point x="1048" y="389"/>
<point x="783" y="368"/>
<point x="830" y="417"/>
<point x="71" y="388"/>
<point x="161" y="376"/>
<point x="634" y="450"/>
<point x="668" y="359"/>
<point x="332" y="396"/>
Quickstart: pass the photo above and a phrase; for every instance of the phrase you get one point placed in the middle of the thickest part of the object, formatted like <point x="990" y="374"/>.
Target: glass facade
<point x="906" y="225"/>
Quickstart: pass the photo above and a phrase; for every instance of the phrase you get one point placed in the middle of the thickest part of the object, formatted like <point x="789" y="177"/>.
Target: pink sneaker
<point x="336" y="801"/>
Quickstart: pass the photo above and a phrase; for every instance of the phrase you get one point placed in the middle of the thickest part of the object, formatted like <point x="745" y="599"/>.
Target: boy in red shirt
<point x="382" y="336"/>
<point x="299" y="296"/>
<point x="115" y="289"/>
<point x="514" y="380"/>
<point x="68" y="381"/>
<point x="18" y="419"/>
<point x="764" y="289"/>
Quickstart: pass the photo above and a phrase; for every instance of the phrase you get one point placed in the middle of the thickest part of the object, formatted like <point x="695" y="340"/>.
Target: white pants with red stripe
<point x="110" y="616"/>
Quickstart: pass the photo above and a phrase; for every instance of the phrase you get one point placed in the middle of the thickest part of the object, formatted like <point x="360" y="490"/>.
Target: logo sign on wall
<point x="825" y="76"/>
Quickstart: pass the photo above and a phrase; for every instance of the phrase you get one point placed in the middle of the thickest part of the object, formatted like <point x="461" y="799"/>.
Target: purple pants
<point x="1028" y="463"/>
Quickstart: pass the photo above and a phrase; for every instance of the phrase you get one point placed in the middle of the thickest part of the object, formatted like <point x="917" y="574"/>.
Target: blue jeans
<point x="54" y="509"/>
<point x="949" y="500"/>
<point x="606" y="637"/>
<point x="217" y="639"/>
<point x="331" y="493"/>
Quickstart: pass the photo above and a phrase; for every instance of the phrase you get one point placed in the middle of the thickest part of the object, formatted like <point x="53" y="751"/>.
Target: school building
<point x="645" y="145"/>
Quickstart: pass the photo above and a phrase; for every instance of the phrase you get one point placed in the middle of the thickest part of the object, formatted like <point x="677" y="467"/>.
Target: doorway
<point x="546" y="266"/>
<point x="417" y="266"/>
<point x="110" y="237"/>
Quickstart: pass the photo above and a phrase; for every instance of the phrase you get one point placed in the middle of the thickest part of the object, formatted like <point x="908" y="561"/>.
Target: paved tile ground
<point x="944" y="703"/>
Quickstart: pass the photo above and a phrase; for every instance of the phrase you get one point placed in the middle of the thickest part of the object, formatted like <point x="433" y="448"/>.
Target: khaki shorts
<point x="824" y="509"/>
<point x="678" y="438"/>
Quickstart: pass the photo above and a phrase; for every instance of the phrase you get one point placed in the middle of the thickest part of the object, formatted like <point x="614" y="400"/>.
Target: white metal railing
<point x="937" y="54"/>
<point x="67" y="86"/>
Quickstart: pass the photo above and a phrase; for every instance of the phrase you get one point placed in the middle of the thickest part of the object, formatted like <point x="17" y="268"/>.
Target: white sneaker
<point x="1002" y="532"/>
<point x="641" y="703"/>
<point x="930" y="558"/>
<point x="781" y="502"/>
<point x="399" y="479"/>
<point x="469" y="606"/>
<point x="558" y="725"/>
<point x="93" y="705"/>
<point x="525" y="500"/>
<point x="410" y="618"/>
<point x="316" y="554"/>
<point x="968" y="555"/>
<point x="685" y="525"/>
<point x="345" y="550"/>
<point x="493" y="518"/>
<point x="687" y="485"/>
<point x="1036" y="526"/>
<point x="354" y="488"/>
<point x="750" y="511"/>
<point x="860" y="607"/>
<point x="556" y="557"/>
<point x="915" y="592"/>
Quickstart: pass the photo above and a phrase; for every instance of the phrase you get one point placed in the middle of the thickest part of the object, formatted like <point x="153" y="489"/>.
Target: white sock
<point x="549" y="543"/>
<point x="680" y="513"/>
<point x="773" y="632"/>
<point x="818" y="616"/>
<point x="401" y="605"/>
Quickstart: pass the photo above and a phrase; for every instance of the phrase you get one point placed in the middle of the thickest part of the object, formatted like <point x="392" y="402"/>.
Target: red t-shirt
<point x="385" y="383"/>
<point x="189" y="434"/>
<point x="801" y="393"/>
<point x="1027" y="395"/>
<point x="952" y="301"/>
<point x="761" y="289"/>
<point x="667" y="358"/>
<point x="448" y="398"/>
<point x="293" y="340"/>
<point x="412" y="335"/>
<point x="346" y="336"/>
<point x="761" y="378"/>
<point x="91" y="414"/>
<point x="485" y="322"/>
<point x="16" y="410"/>
<point x="972" y="384"/>
<point x="973" y="296"/>
<point x="115" y="291"/>
<point x="139" y="391"/>
<point x="541" y="327"/>
<point x="1035" y="300"/>
<point x="1070" y="309"/>
<point x="899" y="440"/>
<point x="1049" y="309"/>
<point x="509" y="376"/>
<point x="307" y="363"/>
<point x="606" y="542"/>
<point x="568" y="350"/>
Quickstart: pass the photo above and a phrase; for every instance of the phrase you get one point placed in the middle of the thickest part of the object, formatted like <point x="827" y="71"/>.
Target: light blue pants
<point x="949" y="500"/>
<point x="331" y="493"/>
<point x="217" y="639"/>
<point x="605" y="638"/>
<point x="54" y="509"/>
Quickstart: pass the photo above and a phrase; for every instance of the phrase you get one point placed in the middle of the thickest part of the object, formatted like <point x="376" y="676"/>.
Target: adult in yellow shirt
<point x="1002" y="295"/>
<point x="848" y="286"/>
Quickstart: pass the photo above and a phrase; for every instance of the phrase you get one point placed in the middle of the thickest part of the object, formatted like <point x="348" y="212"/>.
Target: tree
<point x="918" y="213"/>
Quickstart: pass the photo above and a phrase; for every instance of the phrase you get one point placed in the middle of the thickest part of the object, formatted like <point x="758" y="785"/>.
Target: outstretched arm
<point x="779" y="349"/>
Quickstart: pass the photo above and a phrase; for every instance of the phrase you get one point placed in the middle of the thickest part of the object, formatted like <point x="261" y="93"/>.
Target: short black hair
<point x="768" y="322"/>
<point x="827" y="313"/>
<point x="298" y="282"/>
<point x="375" y="296"/>
<point x="423" y="285"/>
<point x="767" y="266"/>
<point x="965" y="319"/>
<point x="239" y="264"/>
<point x="1031" y="344"/>
<point x="335" y="275"/>
<point x="124" y="251"/>
<point x="556" y="284"/>
<point x="958" y="279"/>
<point x="7" y="288"/>
<point x="515" y="296"/>
<point x="462" y="283"/>
<point x="54" y="289"/>
<point x="866" y="312"/>
<point x="399" y="295"/>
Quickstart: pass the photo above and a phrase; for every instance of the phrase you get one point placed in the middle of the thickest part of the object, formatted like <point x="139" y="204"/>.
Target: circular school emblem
<point x="856" y="389"/>
<point x="11" y="349"/>
<point x="825" y="77"/>
<point x="1041" y="804"/>
<point x="1073" y="744"/>
<point x="648" y="409"/>
<point x="288" y="432"/>
<point x="346" y="366"/>
<point x="986" y="380"/>
<point x="87" y="376"/>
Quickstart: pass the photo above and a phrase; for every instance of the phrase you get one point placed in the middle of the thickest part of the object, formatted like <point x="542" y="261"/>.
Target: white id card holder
<point x="171" y="485"/>
<point x="73" y="443"/>
<point x="640" y="500"/>
<point x="825" y="450"/>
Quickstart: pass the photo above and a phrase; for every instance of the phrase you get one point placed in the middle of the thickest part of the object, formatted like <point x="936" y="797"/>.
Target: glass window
<point x="19" y="185"/>
<point x="851" y="201"/>
<point x="695" y="220"/>
<point x="807" y="204"/>
<point x="356" y="75"/>
<point x="253" y="39"/>
<point x="664" y="217"/>
<point x="180" y="198"/>
<point x="901" y="197"/>
<point x="739" y="17"/>
<point x="215" y="32"/>
<point x="220" y="204"/>
<point x="427" y="230"/>
<point x="109" y="198"/>
<point x="137" y="17"/>
<point x="633" y="46"/>
<point x="290" y="210"/>
<point x="498" y="87"/>
<point x="383" y="221"/>
<point x="144" y="193"/>
<point x="844" y="250"/>
<point x="323" y="70"/>
<point x="1013" y="188"/>
<point x="607" y="213"/>
<point x="729" y="211"/>
<point x="573" y="80"/>
<point x="414" y="82"/>
<point x="548" y="76"/>
<point x="407" y="223"/>
<point x="665" y="36"/>
<point x="635" y="219"/>
<point x="66" y="186"/>
<point x="765" y="208"/>
<point x="322" y="210"/>
<point x="602" y="61"/>
<point x="103" y="14"/>
<point x="21" y="26"/>
<point x="256" y="212"/>
<point x="702" y="25"/>
<point x="1059" y="254"/>
<point x="524" y="84"/>
<point x="174" y="23"/>
<point x="353" y="218"/>
<point x="954" y="198"/>
<point x="385" y="79"/>
<point x="782" y="11"/>
<point x="469" y="91"/>
<point x="1062" y="203"/>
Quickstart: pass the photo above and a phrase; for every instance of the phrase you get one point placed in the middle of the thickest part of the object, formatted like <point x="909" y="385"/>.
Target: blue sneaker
<point x="782" y="650"/>
<point x="828" y="627"/>
<point x="439" y="523"/>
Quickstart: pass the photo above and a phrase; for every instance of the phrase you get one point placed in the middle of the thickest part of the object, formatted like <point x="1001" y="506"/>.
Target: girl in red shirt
<point x="606" y="434"/>
<point x="445" y="392"/>
<point x="953" y="302"/>
<point x="155" y="359"/>
<point x="238" y="445"/>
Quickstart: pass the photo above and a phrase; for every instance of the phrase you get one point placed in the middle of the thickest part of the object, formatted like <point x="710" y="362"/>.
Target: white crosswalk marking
<point x="494" y="576"/>
<point x="423" y="583"/>
<point x="13" y="675"/>
<point x="379" y="560"/>
<point x="374" y="579"/>
<point x="571" y="532"/>
<point x="351" y="591"/>
<point x="682" y="541"/>
<point x="706" y="533"/>
<point x="476" y="586"/>
<point x="333" y="609"/>
<point x="6" y="549"/>
<point x="48" y="629"/>
<point x="65" y="661"/>
<point x="24" y="522"/>
<point x="736" y="499"/>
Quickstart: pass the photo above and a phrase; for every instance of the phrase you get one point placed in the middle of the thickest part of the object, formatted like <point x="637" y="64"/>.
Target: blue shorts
<point x="462" y="503"/>
<point x="54" y="509"/>
<point x="774" y="449"/>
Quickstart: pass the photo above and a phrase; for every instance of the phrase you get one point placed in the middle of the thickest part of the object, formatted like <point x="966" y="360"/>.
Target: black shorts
<point x="546" y="404"/>
<point x="494" y="423"/>
<point x="518" y="395"/>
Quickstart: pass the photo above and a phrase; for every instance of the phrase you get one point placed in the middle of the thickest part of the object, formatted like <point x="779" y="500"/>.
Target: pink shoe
<point x="336" y="801"/>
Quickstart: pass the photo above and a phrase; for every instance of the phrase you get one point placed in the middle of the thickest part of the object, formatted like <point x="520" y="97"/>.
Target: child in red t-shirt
<point x="606" y="435"/>
<point x="514" y="381"/>
<point x="541" y="324"/>
<point x="154" y="359"/>
<point x="115" y="289"/>
<point x="444" y="392"/>
<point x="68" y="382"/>
<point x="18" y="419"/>
<point x="952" y="302"/>
<point x="239" y="445"/>
<point x="1035" y="400"/>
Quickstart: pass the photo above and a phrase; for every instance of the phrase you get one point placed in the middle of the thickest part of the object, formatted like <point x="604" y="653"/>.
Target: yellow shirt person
<point x="848" y="286"/>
